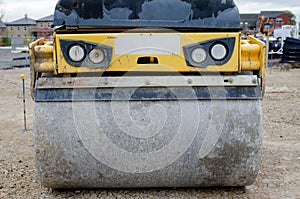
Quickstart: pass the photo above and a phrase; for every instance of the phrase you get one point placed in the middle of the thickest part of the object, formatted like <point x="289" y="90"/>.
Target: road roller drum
<point x="160" y="93"/>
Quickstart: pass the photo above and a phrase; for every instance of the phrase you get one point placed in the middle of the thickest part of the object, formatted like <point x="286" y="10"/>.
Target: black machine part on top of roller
<point x="200" y="14"/>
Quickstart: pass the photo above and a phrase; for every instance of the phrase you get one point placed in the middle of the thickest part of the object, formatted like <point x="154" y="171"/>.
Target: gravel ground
<point x="280" y="171"/>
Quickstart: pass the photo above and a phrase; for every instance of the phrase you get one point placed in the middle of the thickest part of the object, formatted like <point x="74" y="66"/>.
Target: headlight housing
<point x="211" y="52"/>
<point x="86" y="54"/>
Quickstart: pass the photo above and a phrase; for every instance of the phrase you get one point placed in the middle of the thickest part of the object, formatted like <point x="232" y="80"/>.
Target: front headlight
<point x="218" y="52"/>
<point x="198" y="55"/>
<point x="96" y="56"/>
<point x="76" y="53"/>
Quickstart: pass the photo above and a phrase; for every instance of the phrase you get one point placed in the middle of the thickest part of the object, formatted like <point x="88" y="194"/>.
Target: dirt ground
<point x="280" y="170"/>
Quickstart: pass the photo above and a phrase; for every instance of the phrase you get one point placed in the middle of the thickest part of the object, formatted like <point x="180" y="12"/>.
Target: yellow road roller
<point x="147" y="93"/>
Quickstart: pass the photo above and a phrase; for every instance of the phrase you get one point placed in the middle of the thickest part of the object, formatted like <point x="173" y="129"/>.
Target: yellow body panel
<point x="42" y="56"/>
<point x="248" y="55"/>
<point x="252" y="54"/>
<point x="166" y="62"/>
<point x="259" y="56"/>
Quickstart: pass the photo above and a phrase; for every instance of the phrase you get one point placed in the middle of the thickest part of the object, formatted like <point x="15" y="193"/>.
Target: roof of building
<point x="2" y="25"/>
<point x="271" y="14"/>
<point x="23" y="21"/>
<point x="250" y="18"/>
<point x="46" y="19"/>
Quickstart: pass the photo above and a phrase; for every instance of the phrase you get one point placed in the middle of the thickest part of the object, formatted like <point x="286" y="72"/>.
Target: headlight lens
<point x="198" y="55"/>
<point x="76" y="53"/>
<point x="96" y="56"/>
<point x="218" y="52"/>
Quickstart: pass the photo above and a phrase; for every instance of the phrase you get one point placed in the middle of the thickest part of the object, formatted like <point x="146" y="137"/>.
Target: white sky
<point x="36" y="9"/>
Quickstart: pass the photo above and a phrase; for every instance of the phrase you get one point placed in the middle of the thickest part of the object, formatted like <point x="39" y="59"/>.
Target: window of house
<point x="11" y="28"/>
<point x="25" y="28"/>
<point x="278" y="20"/>
<point x="41" y="25"/>
<point x="18" y="28"/>
<point x="48" y="24"/>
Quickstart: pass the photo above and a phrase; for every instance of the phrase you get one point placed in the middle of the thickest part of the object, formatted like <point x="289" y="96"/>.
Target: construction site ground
<point x="280" y="169"/>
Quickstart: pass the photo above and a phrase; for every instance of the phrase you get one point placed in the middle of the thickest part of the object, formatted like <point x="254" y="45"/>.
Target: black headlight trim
<point x="88" y="47"/>
<point x="229" y="43"/>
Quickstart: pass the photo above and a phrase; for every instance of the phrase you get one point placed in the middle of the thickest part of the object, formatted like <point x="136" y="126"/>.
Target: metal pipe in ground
<point x="22" y="77"/>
